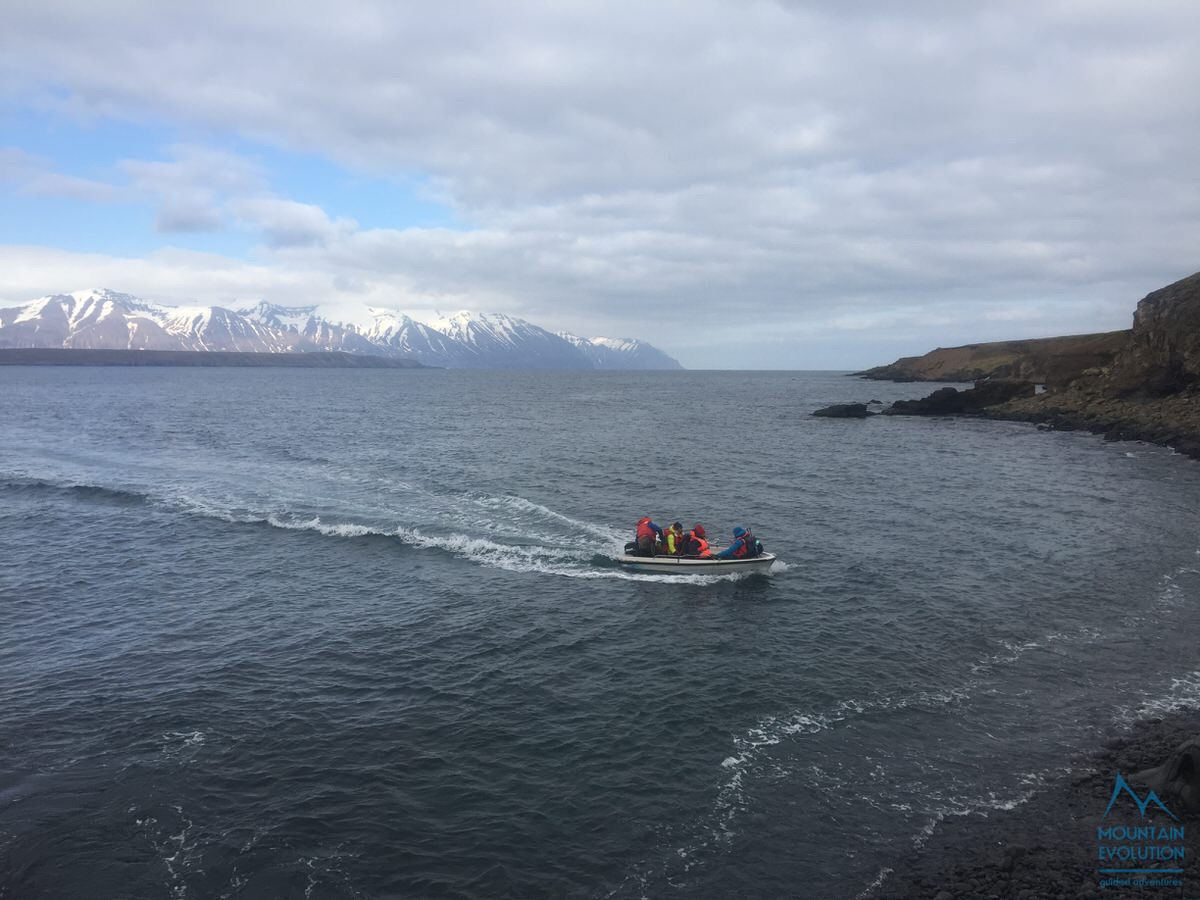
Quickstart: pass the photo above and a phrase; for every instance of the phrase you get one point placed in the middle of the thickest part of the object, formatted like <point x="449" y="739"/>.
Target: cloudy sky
<point x="745" y="184"/>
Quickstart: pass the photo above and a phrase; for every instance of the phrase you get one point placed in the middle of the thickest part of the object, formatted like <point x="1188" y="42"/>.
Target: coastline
<point x="1046" y="847"/>
<point x="1172" y="421"/>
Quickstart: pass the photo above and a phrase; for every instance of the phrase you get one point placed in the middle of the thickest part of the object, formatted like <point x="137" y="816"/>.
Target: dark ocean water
<point x="358" y="633"/>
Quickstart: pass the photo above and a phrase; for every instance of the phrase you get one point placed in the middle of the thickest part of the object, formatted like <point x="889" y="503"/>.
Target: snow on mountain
<point x="321" y="334"/>
<point x="283" y="318"/>
<point x="407" y="337"/>
<point x="217" y="328"/>
<point x="98" y="319"/>
<point x="43" y="323"/>
<point x="621" y="353"/>
<point x="630" y="353"/>
<point x="506" y="342"/>
<point x="104" y="319"/>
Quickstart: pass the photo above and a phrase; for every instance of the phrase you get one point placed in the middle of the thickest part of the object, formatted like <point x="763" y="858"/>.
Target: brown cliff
<point x="1150" y="392"/>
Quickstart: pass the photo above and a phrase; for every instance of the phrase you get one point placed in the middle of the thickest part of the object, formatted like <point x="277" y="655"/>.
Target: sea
<point x="360" y="633"/>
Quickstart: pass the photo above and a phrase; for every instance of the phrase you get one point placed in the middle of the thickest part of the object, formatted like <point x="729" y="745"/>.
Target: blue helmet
<point x="739" y="531"/>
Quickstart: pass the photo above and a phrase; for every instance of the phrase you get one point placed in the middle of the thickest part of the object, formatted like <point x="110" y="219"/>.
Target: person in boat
<point x="674" y="539"/>
<point x="745" y="545"/>
<point x="649" y="536"/>
<point x="695" y="544"/>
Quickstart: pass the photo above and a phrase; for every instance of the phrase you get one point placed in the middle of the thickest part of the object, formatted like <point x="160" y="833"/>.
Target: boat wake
<point x="507" y="532"/>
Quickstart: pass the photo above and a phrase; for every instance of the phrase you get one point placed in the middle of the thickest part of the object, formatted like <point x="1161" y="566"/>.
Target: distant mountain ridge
<point x="102" y="319"/>
<point x="620" y="353"/>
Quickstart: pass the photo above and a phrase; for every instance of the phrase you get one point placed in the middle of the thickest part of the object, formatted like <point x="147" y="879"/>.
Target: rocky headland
<point x="1146" y="386"/>
<point x="1151" y="389"/>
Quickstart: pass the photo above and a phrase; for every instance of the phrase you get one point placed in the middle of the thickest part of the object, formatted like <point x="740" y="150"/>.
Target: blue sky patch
<point x="127" y="223"/>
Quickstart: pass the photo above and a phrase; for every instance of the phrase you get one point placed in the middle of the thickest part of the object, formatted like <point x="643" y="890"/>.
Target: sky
<point x="744" y="184"/>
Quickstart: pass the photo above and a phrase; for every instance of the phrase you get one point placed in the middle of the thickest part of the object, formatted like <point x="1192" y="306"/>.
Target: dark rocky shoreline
<point x="1047" y="846"/>
<point x="1168" y="421"/>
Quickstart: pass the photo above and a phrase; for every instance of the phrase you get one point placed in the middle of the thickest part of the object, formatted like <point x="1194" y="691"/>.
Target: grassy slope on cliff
<point x="1040" y="360"/>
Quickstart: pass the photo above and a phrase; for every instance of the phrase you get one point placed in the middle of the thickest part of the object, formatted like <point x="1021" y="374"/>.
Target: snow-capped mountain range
<point x="107" y="320"/>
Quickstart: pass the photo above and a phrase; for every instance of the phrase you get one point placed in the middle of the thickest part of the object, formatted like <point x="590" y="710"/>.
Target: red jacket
<point x="647" y="529"/>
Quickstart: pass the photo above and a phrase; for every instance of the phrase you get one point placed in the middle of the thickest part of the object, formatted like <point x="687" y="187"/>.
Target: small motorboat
<point x="693" y="565"/>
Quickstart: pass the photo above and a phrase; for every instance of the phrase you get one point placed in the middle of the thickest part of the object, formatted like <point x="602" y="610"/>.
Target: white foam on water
<point x="1182" y="693"/>
<point x="1014" y="650"/>
<point x="332" y="529"/>
<point x="198" y="506"/>
<point x="511" y="501"/>
<point x="1170" y="591"/>
<point x="750" y="748"/>
<point x="523" y="558"/>
<point x="955" y="805"/>
<point x="178" y="744"/>
<point x="179" y="851"/>
<point x="880" y="877"/>
<point x="508" y="532"/>
<point x="539" y="559"/>
<point x="327" y="870"/>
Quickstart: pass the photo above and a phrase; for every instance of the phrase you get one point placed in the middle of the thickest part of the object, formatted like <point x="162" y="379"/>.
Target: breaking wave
<point x="1183" y="692"/>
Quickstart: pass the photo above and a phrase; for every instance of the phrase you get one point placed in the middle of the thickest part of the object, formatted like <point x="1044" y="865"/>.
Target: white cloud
<point x="286" y="223"/>
<point x="189" y="190"/>
<point x="921" y="169"/>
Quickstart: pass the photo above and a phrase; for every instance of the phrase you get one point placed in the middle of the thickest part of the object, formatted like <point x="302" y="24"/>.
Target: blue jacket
<point x="728" y="552"/>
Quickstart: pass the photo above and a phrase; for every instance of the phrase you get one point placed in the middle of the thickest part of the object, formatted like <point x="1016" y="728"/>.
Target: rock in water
<point x="950" y="401"/>
<point x="844" y="411"/>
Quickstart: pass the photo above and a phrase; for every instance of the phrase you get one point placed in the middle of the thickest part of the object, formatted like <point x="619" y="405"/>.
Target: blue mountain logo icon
<point x="1122" y="786"/>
